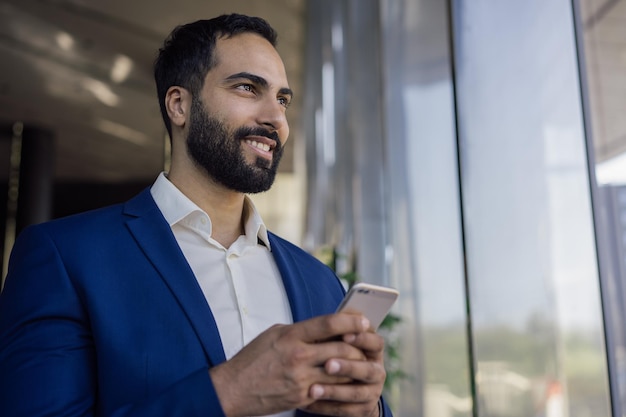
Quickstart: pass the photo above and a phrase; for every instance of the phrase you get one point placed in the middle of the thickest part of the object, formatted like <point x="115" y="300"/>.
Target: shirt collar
<point x="176" y="206"/>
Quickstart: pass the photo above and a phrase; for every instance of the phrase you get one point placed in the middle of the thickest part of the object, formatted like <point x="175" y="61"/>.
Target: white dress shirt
<point x="242" y="284"/>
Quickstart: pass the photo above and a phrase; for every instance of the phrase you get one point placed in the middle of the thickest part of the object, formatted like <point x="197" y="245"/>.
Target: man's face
<point x="220" y="153"/>
<point x="238" y="126"/>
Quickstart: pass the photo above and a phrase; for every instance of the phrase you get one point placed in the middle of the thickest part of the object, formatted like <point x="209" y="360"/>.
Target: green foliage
<point x="392" y="351"/>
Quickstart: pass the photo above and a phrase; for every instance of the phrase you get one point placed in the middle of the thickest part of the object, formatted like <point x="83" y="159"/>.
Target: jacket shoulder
<point x="94" y="221"/>
<point x="300" y="255"/>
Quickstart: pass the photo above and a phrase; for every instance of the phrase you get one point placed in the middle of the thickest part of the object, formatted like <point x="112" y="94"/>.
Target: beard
<point x="218" y="151"/>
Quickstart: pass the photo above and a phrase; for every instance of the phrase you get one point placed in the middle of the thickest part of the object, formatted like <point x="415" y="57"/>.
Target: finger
<point x="342" y="350"/>
<point x="363" y="371"/>
<point x="372" y="344"/>
<point x="320" y="353"/>
<point x="324" y="378"/>
<point x="346" y="393"/>
<point x="314" y="355"/>
<point x="333" y="408"/>
<point x="329" y="326"/>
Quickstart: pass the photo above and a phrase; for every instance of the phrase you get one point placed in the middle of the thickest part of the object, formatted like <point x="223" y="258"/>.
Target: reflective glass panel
<point x="603" y="50"/>
<point x="425" y="225"/>
<point x="537" y="325"/>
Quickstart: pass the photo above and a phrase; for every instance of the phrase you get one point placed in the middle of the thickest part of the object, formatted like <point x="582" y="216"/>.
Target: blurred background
<point x="470" y="154"/>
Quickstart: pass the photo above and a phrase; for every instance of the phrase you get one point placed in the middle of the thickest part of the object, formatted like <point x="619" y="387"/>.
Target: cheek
<point x="223" y="109"/>
<point x="283" y="135"/>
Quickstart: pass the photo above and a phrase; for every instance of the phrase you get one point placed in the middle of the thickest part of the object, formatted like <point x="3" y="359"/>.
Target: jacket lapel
<point x="294" y="280"/>
<point x="154" y="236"/>
<point x="296" y="287"/>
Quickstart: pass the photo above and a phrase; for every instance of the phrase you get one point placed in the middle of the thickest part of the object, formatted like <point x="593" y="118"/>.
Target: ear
<point x="178" y="105"/>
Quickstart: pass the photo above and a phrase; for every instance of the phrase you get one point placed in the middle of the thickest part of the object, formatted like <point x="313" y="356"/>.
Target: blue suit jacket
<point x="101" y="315"/>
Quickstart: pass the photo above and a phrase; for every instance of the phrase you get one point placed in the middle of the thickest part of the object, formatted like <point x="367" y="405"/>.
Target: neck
<point x="225" y="207"/>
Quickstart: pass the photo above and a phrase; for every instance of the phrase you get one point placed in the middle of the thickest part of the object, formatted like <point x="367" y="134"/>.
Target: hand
<point x="359" y="397"/>
<point x="276" y="371"/>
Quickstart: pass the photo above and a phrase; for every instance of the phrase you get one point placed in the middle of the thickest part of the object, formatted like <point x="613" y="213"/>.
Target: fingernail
<point x="349" y="338"/>
<point x="317" y="391"/>
<point x="332" y="367"/>
<point x="366" y="323"/>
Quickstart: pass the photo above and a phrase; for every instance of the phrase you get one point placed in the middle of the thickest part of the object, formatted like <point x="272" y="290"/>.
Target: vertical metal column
<point x="366" y="129"/>
<point x="29" y="199"/>
<point x="34" y="204"/>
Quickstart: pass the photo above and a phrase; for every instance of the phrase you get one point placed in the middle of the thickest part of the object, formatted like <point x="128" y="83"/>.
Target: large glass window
<point x="537" y="324"/>
<point x="470" y="115"/>
<point x="603" y="63"/>
<point x="425" y="222"/>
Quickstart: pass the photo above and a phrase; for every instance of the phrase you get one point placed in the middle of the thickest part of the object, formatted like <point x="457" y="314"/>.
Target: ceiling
<point x="83" y="70"/>
<point x="58" y="57"/>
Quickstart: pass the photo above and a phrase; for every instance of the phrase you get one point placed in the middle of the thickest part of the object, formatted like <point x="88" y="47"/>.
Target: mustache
<point x="244" y="131"/>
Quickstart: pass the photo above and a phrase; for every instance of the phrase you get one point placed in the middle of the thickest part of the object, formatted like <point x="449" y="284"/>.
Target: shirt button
<point x="203" y="220"/>
<point x="245" y="311"/>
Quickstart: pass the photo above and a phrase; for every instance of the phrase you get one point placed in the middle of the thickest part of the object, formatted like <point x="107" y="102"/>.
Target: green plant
<point x="386" y="329"/>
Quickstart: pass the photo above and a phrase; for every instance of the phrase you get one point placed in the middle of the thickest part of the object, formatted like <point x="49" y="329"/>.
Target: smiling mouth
<point x="262" y="146"/>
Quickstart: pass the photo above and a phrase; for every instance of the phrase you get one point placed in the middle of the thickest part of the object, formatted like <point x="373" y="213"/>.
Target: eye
<point x="245" y="87"/>
<point x="284" y="101"/>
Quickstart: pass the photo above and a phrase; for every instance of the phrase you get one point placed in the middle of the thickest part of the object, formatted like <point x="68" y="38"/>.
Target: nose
<point x="273" y="117"/>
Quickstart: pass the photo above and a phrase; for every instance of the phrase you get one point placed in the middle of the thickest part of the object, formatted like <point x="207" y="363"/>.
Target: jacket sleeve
<point x="48" y="360"/>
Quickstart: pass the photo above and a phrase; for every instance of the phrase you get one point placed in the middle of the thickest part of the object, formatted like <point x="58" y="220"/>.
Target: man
<point x="179" y="302"/>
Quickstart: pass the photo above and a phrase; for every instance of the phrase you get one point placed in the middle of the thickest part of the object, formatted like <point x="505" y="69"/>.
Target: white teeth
<point x="261" y="146"/>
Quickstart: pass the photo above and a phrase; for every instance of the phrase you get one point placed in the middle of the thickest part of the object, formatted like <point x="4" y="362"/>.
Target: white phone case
<point x="373" y="301"/>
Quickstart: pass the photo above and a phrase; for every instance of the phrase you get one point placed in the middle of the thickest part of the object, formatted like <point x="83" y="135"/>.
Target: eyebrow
<point x="259" y="81"/>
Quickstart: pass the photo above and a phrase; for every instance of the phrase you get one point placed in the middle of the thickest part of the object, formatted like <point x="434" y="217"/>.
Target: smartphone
<point x="373" y="301"/>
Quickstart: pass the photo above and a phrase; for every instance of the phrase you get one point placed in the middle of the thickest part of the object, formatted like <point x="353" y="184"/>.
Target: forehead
<point x="251" y="53"/>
